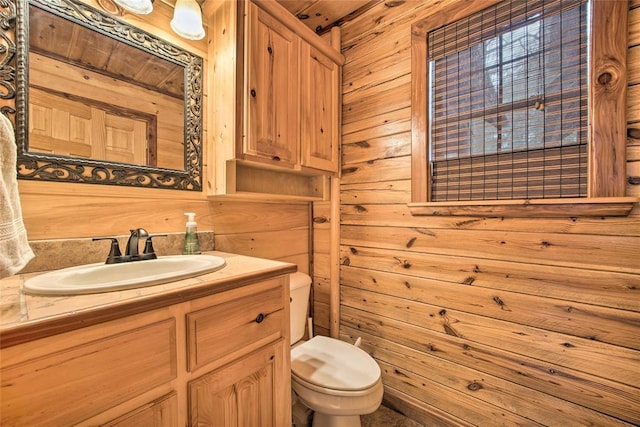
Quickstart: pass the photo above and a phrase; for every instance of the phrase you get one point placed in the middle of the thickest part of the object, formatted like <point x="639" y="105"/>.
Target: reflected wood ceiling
<point x="321" y="15"/>
<point x="58" y="38"/>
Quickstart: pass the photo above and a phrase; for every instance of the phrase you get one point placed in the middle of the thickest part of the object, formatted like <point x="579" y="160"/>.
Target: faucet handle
<point x="115" y="255"/>
<point x="149" y="252"/>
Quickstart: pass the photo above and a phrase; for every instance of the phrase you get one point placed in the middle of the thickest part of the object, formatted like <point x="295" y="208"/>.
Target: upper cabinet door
<point x="273" y="98"/>
<point x="319" y="86"/>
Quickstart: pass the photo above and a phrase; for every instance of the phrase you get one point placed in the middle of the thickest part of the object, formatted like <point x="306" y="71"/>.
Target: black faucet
<point x="132" y="251"/>
<point x="132" y="244"/>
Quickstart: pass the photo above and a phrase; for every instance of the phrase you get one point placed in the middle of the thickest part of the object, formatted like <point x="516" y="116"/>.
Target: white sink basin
<point x="95" y="278"/>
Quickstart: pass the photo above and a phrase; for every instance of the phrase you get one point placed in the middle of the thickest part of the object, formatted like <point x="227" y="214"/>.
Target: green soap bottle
<point x="191" y="243"/>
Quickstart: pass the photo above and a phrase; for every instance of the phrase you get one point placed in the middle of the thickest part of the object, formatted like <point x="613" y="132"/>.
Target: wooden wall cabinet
<point x="272" y="95"/>
<point x="218" y="360"/>
<point x="319" y="109"/>
<point x="284" y="81"/>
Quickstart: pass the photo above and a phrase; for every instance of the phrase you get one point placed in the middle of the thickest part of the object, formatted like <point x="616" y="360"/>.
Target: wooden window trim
<point x="607" y="124"/>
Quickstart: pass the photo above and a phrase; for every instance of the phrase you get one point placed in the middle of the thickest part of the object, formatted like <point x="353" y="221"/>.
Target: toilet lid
<point x="334" y="364"/>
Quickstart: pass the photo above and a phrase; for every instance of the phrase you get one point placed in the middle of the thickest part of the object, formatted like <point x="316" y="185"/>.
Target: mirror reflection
<point x="100" y="101"/>
<point x="91" y="96"/>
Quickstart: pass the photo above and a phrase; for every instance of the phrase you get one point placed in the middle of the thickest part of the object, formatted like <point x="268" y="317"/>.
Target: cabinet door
<point x="319" y="80"/>
<point x="272" y="96"/>
<point x="246" y="393"/>
<point x="162" y="412"/>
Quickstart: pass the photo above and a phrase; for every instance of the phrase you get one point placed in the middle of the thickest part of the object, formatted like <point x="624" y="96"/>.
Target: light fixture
<point x="141" y="7"/>
<point x="187" y="20"/>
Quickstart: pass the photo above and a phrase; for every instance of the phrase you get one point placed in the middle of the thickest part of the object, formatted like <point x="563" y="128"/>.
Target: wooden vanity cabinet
<point x="282" y="139"/>
<point x="250" y="331"/>
<point x="219" y="360"/>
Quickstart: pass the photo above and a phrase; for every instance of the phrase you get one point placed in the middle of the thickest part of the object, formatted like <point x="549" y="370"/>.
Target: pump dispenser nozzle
<point x="191" y="243"/>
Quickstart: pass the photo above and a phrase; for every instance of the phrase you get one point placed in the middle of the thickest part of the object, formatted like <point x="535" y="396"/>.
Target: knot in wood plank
<point x="474" y="386"/>
<point x="395" y="3"/>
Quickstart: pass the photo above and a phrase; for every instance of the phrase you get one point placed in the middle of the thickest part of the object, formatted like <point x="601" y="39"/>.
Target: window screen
<point x="508" y="103"/>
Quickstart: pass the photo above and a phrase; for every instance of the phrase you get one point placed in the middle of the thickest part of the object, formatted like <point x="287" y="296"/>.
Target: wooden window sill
<point x="539" y="208"/>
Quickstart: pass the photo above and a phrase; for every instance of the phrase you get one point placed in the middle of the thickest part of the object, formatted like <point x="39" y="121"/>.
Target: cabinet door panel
<point x="240" y="394"/>
<point x="162" y="412"/>
<point x="273" y="95"/>
<point x="88" y="379"/>
<point x="319" y="85"/>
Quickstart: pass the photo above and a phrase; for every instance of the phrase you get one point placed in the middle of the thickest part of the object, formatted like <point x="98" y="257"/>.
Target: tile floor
<point x="385" y="417"/>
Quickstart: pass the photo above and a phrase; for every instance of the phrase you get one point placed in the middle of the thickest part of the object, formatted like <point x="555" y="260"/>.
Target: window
<point x="503" y="104"/>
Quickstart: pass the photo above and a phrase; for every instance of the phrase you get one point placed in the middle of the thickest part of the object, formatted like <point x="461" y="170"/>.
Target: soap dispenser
<point x="191" y="243"/>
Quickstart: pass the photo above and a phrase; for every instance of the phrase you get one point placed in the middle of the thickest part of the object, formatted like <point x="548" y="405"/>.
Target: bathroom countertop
<point x="25" y="317"/>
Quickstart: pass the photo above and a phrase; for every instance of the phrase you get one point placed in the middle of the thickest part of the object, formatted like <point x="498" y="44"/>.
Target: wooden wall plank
<point x="231" y="216"/>
<point x="321" y="284"/>
<point x="447" y="399"/>
<point x="322" y="290"/>
<point x="390" y="169"/>
<point x="572" y="386"/>
<point x="364" y="125"/>
<point x="265" y="244"/>
<point x="613" y="362"/>
<point x="605" y="288"/>
<point x="370" y="82"/>
<point x="376" y="192"/>
<point x="633" y="65"/>
<point x="606" y="325"/>
<point x="633" y="109"/>
<point x="387" y="214"/>
<point x="464" y="382"/>
<point x="376" y="104"/>
<point x="377" y="148"/>
<point x="578" y="251"/>
<point x="634" y="27"/>
<point x="382" y="129"/>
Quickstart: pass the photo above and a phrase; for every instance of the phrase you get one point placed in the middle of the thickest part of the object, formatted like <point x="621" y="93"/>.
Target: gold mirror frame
<point x="14" y="83"/>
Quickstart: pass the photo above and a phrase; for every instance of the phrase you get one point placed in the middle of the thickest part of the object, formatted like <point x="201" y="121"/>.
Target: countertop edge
<point x="24" y="332"/>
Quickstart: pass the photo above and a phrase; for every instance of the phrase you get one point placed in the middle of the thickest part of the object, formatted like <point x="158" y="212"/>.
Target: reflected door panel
<point x="67" y="127"/>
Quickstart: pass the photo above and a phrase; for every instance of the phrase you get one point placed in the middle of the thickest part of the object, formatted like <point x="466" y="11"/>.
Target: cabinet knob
<point x="253" y="93"/>
<point x="259" y="318"/>
<point x="276" y="158"/>
<point x="270" y="50"/>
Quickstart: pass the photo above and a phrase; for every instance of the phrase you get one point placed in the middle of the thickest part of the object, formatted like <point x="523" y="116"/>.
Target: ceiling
<point x="321" y="15"/>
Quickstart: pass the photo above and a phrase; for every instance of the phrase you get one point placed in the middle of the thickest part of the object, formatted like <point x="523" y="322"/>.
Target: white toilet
<point x="335" y="379"/>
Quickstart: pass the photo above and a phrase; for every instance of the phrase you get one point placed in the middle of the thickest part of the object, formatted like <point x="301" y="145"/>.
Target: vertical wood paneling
<point x="321" y="287"/>
<point x="504" y="321"/>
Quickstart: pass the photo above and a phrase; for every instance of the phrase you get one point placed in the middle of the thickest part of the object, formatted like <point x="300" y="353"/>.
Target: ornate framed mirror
<point x="98" y="100"/>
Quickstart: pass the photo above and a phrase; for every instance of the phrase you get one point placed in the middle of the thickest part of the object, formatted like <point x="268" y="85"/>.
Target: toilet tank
<point x="299" y="287"/>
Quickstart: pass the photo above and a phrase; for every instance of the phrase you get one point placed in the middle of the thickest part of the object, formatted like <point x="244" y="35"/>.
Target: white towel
<point x="15" y="251"/>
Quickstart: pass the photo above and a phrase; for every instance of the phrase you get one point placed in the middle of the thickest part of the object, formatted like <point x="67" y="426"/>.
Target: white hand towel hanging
<point x="15" y="251"/>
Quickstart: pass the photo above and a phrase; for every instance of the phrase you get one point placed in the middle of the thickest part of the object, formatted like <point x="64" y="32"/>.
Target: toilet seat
<point x="325" y="364"/>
